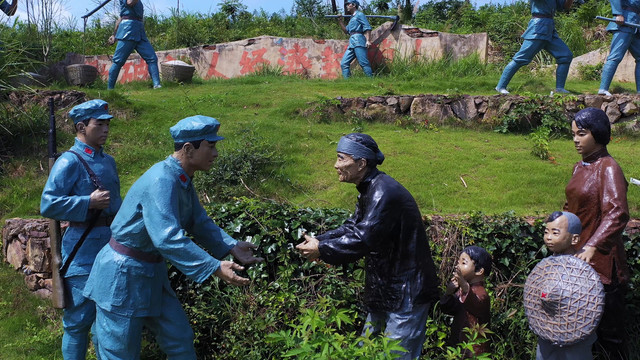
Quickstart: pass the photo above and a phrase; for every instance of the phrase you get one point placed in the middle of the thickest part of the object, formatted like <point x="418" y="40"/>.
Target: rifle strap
<point x="92" y="222"/>
<point x="94" y="178"/>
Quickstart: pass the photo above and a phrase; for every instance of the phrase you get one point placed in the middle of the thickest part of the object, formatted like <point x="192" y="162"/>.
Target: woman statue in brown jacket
<point x="597" y="194"/>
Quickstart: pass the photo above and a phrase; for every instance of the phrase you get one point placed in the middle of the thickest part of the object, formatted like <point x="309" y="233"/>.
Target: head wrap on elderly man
<point x="354" y="144"/>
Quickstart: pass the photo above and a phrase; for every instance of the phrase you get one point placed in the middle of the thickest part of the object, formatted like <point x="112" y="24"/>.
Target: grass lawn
<point x="435" y="164"/>
<point x="499" y="172"/>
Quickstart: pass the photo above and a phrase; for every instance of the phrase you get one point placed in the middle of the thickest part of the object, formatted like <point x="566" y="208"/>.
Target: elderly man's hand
<point x="112" y="40"/>
<point x="243" y="252"/>
<point x="309" y="248"/>
<point x="226" y="272"/>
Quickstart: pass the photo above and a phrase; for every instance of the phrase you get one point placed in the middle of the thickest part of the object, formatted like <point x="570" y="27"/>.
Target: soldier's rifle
<point x="395" y="18"/>
<point x="96" y="9"/>
<point x="637" y="26"/>
<point x="55" y="234"/>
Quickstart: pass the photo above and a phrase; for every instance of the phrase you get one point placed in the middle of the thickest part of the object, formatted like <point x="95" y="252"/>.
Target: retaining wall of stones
<point x="479" y="109"/>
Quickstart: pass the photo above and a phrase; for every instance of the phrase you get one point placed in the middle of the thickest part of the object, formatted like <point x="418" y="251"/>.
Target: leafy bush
<point x="23" y="130"/>
<point x="313" y="307"/>
<point x="245" y="160"/>
<point x="590" y="72"/>
<point x="542" y="117"/>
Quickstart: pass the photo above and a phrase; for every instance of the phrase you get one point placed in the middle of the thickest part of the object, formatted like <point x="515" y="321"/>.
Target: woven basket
<point x="563" y="300"/>
<point x="177" y="70"/>
<point x="81" y="74"/>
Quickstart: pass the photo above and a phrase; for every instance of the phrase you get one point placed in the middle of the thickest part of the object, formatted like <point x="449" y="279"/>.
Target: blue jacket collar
<point x="182" y="176"/>
<point x="88" y="150"/>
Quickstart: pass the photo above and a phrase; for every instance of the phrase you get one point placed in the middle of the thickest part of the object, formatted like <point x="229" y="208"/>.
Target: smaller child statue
<point x="466" y="298"/>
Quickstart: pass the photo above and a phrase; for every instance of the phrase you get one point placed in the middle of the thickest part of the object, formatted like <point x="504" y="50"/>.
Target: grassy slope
<point x="499" y="171"/>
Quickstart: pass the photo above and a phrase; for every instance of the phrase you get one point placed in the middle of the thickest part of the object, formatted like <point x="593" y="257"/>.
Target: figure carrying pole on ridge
<point x="129" y="31"/>
<point x="541" y="34"/>
<point x="359" y="32"/>
<point x="624" y="38"/>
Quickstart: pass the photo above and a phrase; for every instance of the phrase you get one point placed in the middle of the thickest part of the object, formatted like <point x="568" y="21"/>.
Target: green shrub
<point x="317" y="334"/>
<point x="244" y="160"/>
<point x="590" y="72"/>
<point x="23" y="130"/>
<point x="300" y="303"/>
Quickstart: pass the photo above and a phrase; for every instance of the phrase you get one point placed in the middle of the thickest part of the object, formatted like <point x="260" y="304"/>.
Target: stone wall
<point x="315" y="58"/>
<point x="26" y="247"/>
<point x="479" y="109"/>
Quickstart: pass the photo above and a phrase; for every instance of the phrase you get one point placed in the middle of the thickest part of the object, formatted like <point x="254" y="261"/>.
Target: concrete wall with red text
<point x="308" y="57"/>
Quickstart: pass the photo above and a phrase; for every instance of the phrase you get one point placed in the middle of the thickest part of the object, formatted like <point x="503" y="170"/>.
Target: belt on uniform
<point x="542" y="16"/>
<point x="127" y="17"/>
<point x="102" y="221"/>
<point x="353" y="33"/>
<point x="631" y="8"/>
<point x="134" y="253"/>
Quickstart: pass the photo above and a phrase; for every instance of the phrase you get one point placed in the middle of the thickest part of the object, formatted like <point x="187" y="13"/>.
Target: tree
<point x="380" y="6"/>
<point x="232" y="8"/>
<point x="43" y="14"/>
<point x="309" y="8"/>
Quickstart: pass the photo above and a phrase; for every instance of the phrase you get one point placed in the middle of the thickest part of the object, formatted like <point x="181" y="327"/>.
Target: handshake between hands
<point x="243" y="252"/>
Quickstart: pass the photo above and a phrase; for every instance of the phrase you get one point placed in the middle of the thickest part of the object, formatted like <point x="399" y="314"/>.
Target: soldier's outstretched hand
<point x="227" y="272"/>
<point x="243" y="252"/>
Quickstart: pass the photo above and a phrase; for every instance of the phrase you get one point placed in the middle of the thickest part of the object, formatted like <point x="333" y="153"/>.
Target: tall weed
<point x="406" y="68"/>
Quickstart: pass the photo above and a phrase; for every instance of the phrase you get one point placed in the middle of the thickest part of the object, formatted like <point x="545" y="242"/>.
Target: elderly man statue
<point x="387" y="230"/>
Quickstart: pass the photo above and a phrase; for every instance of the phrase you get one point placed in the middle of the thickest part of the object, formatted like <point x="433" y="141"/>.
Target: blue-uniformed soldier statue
<point x="129" y="31"/>
<point x="70" y="195"/>
<point x="9" y="8"/>
<point x="359" y="32"/>
<point x="624" y="38"/>
<point x="158" y="219"/>
<point x="540" y="35"/>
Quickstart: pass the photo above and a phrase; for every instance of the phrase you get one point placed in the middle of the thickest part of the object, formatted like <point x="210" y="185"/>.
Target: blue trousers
<point x="124" y="49"/>
<point x="121" y="336"/>
<point x="558" y="49"/>
<point x="359" y="53"/>
<point x="580" y="351"/>
<point x="408" y="324"/>
<point x="620" y="43"/>
<point x="78" y="320"/>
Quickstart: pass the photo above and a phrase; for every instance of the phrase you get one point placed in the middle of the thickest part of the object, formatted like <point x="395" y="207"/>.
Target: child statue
<point x="564" y="298"/>
<point x="466" y="298"/>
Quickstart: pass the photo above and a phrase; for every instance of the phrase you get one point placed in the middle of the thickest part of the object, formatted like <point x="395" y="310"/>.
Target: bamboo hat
<point x="563" y="300"/>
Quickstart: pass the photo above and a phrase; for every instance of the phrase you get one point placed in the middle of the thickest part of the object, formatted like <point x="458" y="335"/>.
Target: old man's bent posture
<point x="387" y="230"/>
<point x="129" y="281"/>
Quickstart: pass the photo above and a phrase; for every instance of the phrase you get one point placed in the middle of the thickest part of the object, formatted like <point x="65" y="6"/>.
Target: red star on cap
<point x="543" y="295"/>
